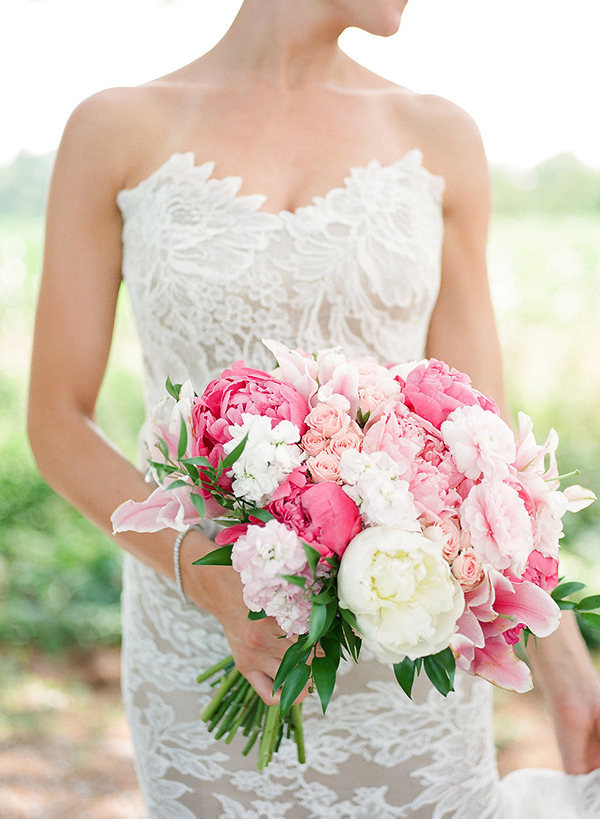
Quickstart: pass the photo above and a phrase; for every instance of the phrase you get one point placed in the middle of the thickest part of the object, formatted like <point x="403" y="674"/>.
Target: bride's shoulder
<point x="114" y="130"/>
<point x="449" y="139"/>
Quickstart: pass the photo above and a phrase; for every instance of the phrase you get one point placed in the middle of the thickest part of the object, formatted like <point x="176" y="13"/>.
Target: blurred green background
<point x="60" y="578"/>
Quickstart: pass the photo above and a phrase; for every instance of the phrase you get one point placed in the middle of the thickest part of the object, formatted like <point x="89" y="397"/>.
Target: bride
<point x="275" y="188"/>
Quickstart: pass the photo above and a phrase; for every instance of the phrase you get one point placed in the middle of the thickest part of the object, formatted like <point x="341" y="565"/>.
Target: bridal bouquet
<point x="389" y="506"/>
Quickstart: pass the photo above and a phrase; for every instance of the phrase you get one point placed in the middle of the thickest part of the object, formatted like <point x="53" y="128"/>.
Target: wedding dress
<point x="209" y="275"/>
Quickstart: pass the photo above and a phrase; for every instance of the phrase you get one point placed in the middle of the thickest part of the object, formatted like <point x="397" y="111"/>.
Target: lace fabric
<point x="209" y="275"/>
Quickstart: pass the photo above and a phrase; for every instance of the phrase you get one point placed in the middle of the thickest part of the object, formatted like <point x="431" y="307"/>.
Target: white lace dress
<point x="209" y="275"/>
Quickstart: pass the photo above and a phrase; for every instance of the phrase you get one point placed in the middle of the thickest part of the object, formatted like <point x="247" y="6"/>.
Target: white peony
<point x="402" y="592"/>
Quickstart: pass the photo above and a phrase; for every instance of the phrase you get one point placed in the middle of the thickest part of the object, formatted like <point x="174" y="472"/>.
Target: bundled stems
<point x="235" y="705"/>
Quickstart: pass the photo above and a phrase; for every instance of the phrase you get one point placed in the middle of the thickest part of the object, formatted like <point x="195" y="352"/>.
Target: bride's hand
<point x="257" y="646"/>
<point x="577" y="724"/>
<point x="562" y="664"/>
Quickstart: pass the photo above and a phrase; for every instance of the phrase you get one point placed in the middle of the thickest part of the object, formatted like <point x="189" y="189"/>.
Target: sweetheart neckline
<point x="403" y="161"/>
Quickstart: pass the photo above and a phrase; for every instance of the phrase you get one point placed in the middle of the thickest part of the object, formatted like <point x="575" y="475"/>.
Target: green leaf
<point x="446" y="657"/>
<point x="592" y="620"/>
<point x="162" y="447"/>
<point x="293" y="686"/>
<point x="349" y="618"/>
<point x="419" y="664"/>
<point x="183" y="439"/>
<point x="405" y="674"/>
<point x="197" y="460"/>
<point x="261" y="514"/>
<point x="589" y="603"/>
<point x="173" y="389"/>
<point x="352" y="641"/>
<point x="218" y="557"/>
<point x="296" y="653"/>
<point x="565" y="605"/>
<point x="324" y="673"/>
<point x="257" y="615"/>
<point x="565" y="589"/>
<point x="312" y="556"/>
<point x="199" y="503"/>
<point x="232" y="457"/>
<point x="192" y="472"/>
<point x="178" y="484"/>
<point x="316" y="628"/>
<point x="295" y="579"/>
<point x="438" y="675"/>
<point x="332" y="649"/>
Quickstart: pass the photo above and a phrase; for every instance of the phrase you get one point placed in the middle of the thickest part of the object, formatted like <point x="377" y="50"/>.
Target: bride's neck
<point x="285" y="43"/>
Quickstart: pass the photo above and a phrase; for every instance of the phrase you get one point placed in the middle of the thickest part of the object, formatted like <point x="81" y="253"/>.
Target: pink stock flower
<point x="321" y="514"/>
<point x="434" y="390"/>
<point x="479" y="441"/>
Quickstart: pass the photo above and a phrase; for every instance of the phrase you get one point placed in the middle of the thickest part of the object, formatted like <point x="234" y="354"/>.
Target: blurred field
<point x="63" y="740"/>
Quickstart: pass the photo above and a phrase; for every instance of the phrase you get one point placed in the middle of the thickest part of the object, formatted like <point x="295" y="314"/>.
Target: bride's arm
<point x="463" y="333"/>
<point x="73" y="330"/>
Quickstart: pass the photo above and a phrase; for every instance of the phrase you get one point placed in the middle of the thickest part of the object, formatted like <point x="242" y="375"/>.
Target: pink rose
<point x="327" y="419"/>
<point x="467" y="569"/>
<point x="324" y="467"/>
<point x="369" y="399"/>
<point x="349" y="438"/>
<point x="543" y="571"/>
<point x="451" y="536"/>
<point x="313" y="442"/>
<point x="321" y="514"/>
<point x="434" y="390"/>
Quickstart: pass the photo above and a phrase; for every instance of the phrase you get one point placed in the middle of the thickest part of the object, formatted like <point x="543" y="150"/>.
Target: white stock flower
<point x="402" y="592"/>
<point x="479" y="441"/>
<point x="270" y="454"/>
<point x="372" y="480"/>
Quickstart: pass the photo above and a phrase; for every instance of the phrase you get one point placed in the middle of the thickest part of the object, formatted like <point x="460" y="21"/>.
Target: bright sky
<point x="526" y="70"/>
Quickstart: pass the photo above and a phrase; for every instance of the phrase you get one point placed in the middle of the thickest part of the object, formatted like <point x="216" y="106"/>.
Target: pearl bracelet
<point x="178" y="541"/>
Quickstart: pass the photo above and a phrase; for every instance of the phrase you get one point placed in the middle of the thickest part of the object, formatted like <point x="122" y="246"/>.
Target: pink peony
<point x="434" y="390"/>
<point x="321" y="514"/>
<point x="237" y="391"/>
<point x="543" y="571"/>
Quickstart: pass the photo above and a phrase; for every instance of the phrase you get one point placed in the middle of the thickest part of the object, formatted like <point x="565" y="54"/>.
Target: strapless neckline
<point x="185" y="162"/>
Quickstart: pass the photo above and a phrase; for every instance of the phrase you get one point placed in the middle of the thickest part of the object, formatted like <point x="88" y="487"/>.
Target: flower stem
<point x="269" y="736"/>
<point x="296" y="718"/>
<point x="214" y="669"/>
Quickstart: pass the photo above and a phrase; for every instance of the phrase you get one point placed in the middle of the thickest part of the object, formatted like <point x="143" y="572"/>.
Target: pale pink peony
<point x="327" y="419"/>
<point x="324" y="467"/>
<point x="321" y="514"/>
<point x="401" y="438"/>
<point x="479" y="441"/>
<point x="499" y="527"/>
<point x="434" y="390"/>
<point x="313" y="442"/>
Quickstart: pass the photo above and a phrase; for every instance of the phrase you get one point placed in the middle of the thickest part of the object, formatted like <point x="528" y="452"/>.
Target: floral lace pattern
<point x="210" y="274"/>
